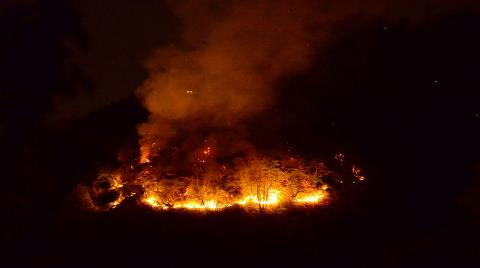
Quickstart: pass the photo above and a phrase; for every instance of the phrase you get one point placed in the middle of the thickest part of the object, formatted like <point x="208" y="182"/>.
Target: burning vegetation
<point x="194" y="149"/>
<point x="211" y="182"/>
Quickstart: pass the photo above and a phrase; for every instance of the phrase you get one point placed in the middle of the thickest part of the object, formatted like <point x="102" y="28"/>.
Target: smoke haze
<point x="231" y="56"/>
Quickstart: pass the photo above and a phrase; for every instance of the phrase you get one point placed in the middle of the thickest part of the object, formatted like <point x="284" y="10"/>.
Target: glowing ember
<point x="357" y="173"/>
<point x="207" y="151"/>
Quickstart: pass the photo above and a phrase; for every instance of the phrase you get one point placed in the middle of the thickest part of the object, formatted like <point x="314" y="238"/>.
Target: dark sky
<point x="120" y="35"/>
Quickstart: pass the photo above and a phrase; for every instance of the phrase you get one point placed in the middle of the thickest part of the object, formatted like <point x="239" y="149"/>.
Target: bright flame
<point x="212" y="204"/>
<point x="208" y="205"/>
<point x="117" y="202"/>
<point x="357" y="173"/>
<point x="207" y="150"/>
<point x="315" y="197"/>
<point x="144" y="157"/>
<point x="265" y="184"/>
<point x="116" y="182"/>
<point x="272" y="198"/>
<point x="152" y="201"/>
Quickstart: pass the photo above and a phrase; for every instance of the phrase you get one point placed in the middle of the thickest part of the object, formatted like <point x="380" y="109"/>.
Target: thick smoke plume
<point x="200" y="91"/>
<point x="224" y="70"/>
<point x="232" y="54"/>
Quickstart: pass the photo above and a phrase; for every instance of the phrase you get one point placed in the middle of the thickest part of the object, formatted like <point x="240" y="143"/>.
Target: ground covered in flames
<point x="254" y="182"/>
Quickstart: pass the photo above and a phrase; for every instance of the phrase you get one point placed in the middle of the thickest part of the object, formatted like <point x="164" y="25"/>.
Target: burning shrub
<point x="250" y="181"/>
<point x="104" y="193"/>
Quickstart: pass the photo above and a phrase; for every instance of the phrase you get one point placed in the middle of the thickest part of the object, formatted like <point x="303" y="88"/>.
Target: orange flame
<point x="273" y="199"/>
<point x="259" y="182"/>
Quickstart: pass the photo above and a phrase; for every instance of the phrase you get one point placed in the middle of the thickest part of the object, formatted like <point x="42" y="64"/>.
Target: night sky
<point x="391" y="84"/>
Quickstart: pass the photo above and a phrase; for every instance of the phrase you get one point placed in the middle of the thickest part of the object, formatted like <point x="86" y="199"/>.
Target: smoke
<point x="225" y="68"/>
<point x="231" y="56"/>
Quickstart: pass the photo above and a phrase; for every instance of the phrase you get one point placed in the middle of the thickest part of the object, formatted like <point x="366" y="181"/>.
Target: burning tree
<point x="260" y="180"/>
<point x="214" y="183"/>
<point x="194" y="151"/>
<point x="207" y="189"/>
<point x="163" y="193"/>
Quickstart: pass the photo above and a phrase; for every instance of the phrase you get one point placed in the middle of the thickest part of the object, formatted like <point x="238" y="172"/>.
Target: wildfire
<point x="315" y="197"/>
<point x="257" y="183"/>
<point x="272" y="198"/>
<point x="144" y="158"/>
<point x="208" y="205"/>
<point x="151" y="201"/>
<point x="194" y="149"/>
